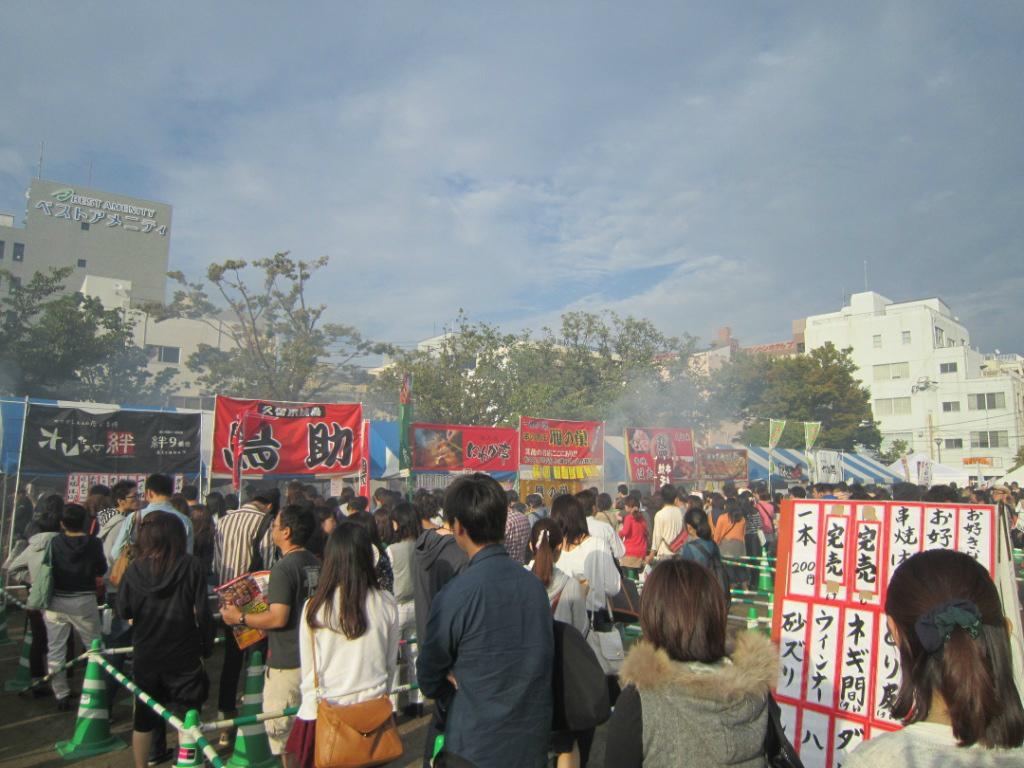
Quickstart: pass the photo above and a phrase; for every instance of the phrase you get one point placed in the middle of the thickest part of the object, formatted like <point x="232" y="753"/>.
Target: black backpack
<point x="577" y="682"/>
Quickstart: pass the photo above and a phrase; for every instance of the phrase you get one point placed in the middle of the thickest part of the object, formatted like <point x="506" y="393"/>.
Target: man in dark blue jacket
<point x="488" y="648"/>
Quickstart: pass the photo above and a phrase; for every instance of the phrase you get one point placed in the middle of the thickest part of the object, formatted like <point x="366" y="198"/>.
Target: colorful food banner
<point x="269" y="437"/>
<point x="722" y="464"/>
<point x="78" y="484"/>
<point x="551" y="449"/>
<point x="839" y="666"/>
<point x="454" y="448"/>
<point x="660" y="456"/>
<point x="66" y="440"/>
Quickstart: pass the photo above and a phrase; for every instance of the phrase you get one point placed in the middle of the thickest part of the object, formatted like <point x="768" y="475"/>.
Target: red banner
<point x="454" y="448"/>
<point x="262" y="437"/>
<point x="552" y="443"/>
<point x="660" y="456"/>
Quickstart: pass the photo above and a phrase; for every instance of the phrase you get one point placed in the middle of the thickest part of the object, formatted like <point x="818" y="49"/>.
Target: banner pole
<point x="17" y="477"/>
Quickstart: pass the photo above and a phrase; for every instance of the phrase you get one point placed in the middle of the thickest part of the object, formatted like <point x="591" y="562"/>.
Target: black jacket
<point x="76" y="562"/>
<point x="173" y="626"/>
<point x="436" y="560"/>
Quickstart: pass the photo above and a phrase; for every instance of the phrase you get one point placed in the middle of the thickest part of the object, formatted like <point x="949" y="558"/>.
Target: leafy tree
<point x="819" y="386"/>
<point x="622" y="370"/>
<point x="897" y="450"/>
<point x="283" y="348"/>
<point x="1018" y="458"/>
<point x="61" y="344"/>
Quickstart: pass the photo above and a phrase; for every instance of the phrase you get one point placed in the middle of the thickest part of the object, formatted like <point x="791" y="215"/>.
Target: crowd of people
<point x="502" y="614"/>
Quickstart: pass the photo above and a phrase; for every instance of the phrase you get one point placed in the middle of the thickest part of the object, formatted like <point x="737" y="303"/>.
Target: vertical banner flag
<point x="811" y="431"/>
<point x="775" y="428"/>
<point x="364" y="462"/>
<point x="660" y="456"/>
<point x="839" y="667"/>
<point x="405" y="423"/>
<point x="264" y="437"/>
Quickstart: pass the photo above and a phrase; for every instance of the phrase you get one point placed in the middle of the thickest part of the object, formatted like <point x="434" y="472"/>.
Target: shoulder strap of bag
<point x="558" y="597"/>
<point x="256" y="562"/>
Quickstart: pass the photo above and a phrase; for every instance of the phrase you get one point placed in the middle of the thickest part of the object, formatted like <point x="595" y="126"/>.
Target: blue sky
<point x="699" y="164"/>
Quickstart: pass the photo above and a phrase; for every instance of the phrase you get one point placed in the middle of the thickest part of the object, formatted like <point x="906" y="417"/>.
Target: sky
<point x="698" y="164"/>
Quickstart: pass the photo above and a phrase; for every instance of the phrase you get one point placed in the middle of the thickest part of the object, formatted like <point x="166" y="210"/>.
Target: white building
<point x="169" y="343"/>
<point x="929" y="388"/>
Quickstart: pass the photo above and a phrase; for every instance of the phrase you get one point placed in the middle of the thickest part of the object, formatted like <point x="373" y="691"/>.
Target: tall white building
<point x="929" y="387"/>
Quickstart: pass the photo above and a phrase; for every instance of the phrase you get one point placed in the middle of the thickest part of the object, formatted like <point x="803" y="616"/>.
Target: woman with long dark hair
<point x="348" y="633"/>
<point x="957" y="697"/>
<point x="163" y="594"/>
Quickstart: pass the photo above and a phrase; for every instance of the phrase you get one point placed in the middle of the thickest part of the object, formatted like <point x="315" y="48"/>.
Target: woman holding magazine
<point x="348" y="636"/>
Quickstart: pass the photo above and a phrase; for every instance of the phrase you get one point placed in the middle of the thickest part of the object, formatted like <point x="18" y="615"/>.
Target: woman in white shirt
<point x="957" y="697"/>
<point x="354" y="626"/>
<point x="405" y="524"/>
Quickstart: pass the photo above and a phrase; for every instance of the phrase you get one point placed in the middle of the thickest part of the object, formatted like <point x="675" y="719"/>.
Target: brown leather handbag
<point x="353" y="735"/>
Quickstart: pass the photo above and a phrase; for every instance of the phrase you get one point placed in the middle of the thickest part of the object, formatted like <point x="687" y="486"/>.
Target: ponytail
<point x="545" y="538"/>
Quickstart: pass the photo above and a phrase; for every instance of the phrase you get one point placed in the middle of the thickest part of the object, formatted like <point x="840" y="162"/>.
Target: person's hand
<point x="451" y="679"/>
<point x="231" y="614"/>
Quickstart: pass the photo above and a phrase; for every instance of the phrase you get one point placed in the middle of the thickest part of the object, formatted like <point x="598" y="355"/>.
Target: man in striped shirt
<point x="233" y="557"/>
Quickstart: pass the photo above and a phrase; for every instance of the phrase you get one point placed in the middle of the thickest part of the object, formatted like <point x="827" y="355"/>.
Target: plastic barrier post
<point x="252" y="750"/>
<point x="764" y="580"/>
<point x="188" y="752"/>
<point x="23" y="676"/>
<point x="752" y="617"/>
<point x="92" y="729"/>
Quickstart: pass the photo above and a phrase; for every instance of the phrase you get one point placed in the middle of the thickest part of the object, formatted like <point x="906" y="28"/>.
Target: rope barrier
<point x="208" y="751"/>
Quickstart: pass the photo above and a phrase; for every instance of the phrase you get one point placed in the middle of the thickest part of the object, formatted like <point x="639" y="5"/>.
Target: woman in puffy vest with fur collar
<point x="685" y="701"/>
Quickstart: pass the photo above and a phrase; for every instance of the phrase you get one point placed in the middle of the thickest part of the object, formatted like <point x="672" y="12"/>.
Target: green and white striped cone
<point x="189" y="754"/>
<point x="23" y="676"/>
<point x="92" y="728"/>
<point x="752" y="618"/>
<point x="252" y="750"/>
<point x="4" y="639"/>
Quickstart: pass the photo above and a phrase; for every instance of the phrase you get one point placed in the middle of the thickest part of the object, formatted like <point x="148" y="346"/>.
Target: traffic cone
<point x="4" y="639"/>
<point x="189" y="754"/>
<point x="752" y="622"/>
<point x="252" y="750"/>
<point x="92" y="729"/>
<point x="23" y="676"/>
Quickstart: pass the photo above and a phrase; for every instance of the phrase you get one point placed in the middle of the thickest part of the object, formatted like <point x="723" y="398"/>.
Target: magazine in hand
<point x="249" y="593"/>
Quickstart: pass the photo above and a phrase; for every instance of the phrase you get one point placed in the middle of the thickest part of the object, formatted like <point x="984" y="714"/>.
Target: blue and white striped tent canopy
<point x="791" y="464"/>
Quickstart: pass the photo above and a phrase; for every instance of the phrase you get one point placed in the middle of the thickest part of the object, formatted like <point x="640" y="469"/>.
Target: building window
<point x="18" y="254"/>
<point x="876" y="341"/>
<point x="947" y="367"/>
<point x="989" y="401"/>
<point x="15" y="282"/>
<point x="990" y="439"/>
<point x="161" y="354"/>
<point x="2" y="250"/>
<point x="907" y="438"/>
<point x="81" y="262"/>
<point x="85" y="226"/>
<point x="906" y="337"/>
<point x="940" y="337"/>
<point x="889" y="371"/>
<point x="954" y="442"/>
<point x="892" y="406"/>
<point x="951" y="406"/>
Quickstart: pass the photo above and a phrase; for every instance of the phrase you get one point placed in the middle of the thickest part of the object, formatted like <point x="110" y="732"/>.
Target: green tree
<point x="283" y="348"/>
<point x="819" y="386"/>
<point x="1018" y="458"/>
<point x="622" y="370"/>
<point x="62" y="344"/>
<point x="897" y="449"/>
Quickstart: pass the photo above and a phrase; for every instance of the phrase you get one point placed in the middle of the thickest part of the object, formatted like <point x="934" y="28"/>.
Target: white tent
<point x="941" y="474"/>
<point x="1017" y="474"/>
